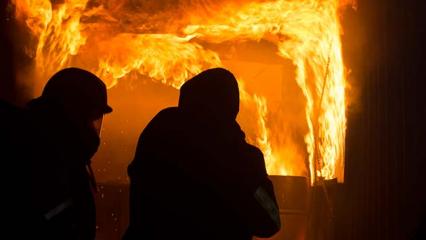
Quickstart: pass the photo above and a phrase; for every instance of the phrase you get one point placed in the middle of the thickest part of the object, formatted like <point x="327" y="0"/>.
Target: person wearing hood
<point x="194" y="176"/>
<point x="63" y="135"/>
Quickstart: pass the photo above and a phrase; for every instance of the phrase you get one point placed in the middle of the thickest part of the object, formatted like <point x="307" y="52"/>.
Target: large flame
<point x="113" y="39"/>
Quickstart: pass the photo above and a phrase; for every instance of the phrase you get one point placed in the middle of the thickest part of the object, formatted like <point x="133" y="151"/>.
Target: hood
<point x="213" y="92"/>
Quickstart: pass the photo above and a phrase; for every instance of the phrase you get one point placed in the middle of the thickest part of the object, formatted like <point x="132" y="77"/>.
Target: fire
<point x="171" y="45"/>
<point x="163" y="57"/>
<point x="57" y="29"/>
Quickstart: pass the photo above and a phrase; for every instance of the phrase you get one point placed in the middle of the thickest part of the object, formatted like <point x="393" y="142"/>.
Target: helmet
<point x="78" y="92"/>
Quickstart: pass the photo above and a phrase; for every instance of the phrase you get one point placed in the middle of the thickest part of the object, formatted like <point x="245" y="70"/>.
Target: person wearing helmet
<point x="64" y="127"/>
<point x="194" y="176"/>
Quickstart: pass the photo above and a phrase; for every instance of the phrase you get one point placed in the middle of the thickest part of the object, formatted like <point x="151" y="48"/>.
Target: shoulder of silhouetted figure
<point x="14" y="156"/>
<point x="9" y="114"/>
<point x="9" y="117"/>
<point x="11" y="130"/>
<point x="160" y="127"/>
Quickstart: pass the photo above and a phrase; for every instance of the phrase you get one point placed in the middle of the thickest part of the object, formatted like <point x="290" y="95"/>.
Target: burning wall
<point x="286" y="55"/>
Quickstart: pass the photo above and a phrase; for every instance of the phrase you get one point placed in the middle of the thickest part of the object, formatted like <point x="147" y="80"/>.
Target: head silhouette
<point x="213" y="92"/>
<point x="72" y="103"/>
<point x="79" y="93"/>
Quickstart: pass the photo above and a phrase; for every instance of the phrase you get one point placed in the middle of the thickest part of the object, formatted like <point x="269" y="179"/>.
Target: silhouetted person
<point x="63" y="136"/>
<point x="194" y="176"/>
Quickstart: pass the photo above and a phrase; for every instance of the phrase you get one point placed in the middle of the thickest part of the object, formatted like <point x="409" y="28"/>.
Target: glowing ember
<point x="114" y="38"/>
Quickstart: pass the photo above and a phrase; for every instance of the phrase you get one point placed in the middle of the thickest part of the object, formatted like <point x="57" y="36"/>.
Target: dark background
<point x="385" y="185"/>
<point x="385" y="173"/>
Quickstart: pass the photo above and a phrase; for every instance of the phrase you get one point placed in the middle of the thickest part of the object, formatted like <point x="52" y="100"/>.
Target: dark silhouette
<point x="194" y="176"/>
<point x="8" y="121"/>
<point x="62" y="137"/>
<point x="14" y="171"/>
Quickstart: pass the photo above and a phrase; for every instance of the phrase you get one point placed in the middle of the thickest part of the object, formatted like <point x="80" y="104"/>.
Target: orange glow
<point x="170" y="44"/>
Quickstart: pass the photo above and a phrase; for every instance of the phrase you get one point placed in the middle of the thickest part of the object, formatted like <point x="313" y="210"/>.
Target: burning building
<point x="287" y="56"/>
<point x="296" y="90"/>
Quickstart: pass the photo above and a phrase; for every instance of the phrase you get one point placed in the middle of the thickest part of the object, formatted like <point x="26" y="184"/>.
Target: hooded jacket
<point x="193" y="175"/>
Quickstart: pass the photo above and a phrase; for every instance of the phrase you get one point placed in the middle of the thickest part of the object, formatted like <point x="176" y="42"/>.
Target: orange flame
<point x="169" y="46"/>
